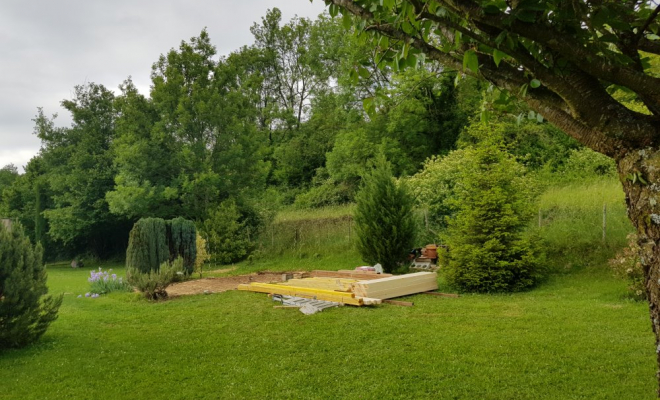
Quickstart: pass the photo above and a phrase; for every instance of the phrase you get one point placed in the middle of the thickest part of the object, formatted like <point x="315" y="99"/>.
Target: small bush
<point x="153" y="283"/>
<point x="583" y="164"/>
<point x="627" y="264"/>
<point x="26" y="310"/>
<point x="103" y="282"/>
<point x="228" y="233"/>
<point x="202" y="254"/>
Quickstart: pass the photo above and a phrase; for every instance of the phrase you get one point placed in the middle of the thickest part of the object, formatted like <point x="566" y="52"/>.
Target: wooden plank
<point x="396" y="286"/>
<point x="349" y="274"/>
<point x="340" y="284"/>
<point x="399" y="303"/>
<point x="309" y="293"/>
<point x="442" y="294"/>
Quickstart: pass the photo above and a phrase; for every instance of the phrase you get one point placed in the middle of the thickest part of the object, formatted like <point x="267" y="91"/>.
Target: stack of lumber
<point x="396" y="286"/>
<point x="339" y="284"/>
<point x="350" y="287"/>
<point x="349" y="274"/>
<point x="309" y="293"/>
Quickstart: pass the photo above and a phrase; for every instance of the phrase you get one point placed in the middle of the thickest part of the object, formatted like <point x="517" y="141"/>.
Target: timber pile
<point x="396" y="286"/>
<point x="346" y="289"/>
<point x="310" y="293"/>
<point x="349" y="274"/>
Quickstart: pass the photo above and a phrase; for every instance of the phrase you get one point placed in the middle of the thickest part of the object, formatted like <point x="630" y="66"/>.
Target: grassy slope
<point x="575" y="337"/>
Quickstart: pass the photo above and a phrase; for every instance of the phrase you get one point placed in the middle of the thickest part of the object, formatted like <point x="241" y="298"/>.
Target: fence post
<point x="604" y="220"/>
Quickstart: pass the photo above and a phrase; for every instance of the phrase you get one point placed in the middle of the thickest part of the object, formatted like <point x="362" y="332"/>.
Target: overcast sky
<point x="49" y="46"/>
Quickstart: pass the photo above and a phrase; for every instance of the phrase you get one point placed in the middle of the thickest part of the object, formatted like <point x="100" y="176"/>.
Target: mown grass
<point x="576" y="337"/>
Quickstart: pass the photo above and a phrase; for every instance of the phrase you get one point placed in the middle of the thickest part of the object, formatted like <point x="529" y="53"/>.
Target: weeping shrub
<point x="147" y="245"/>
<point x="26" y="310"/>
<point x="153" y="241"/>
<point x="182" y="236"/>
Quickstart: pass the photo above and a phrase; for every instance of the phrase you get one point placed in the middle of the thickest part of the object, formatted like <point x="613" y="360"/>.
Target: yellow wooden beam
<point x="309" y="293"/>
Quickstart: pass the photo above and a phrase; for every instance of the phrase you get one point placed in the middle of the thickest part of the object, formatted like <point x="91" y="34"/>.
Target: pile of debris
<point x="344" y="287"/>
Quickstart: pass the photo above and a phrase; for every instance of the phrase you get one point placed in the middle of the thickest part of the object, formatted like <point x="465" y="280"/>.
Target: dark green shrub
<point x="26" y="310"/>
<point x="228" y="233"/>
<point x="153" y="283"/>
<point x="487" y="249"/>
<point x="182" y="236"/>
<point x="384" y="220"/>
<point x="147" y="245"/>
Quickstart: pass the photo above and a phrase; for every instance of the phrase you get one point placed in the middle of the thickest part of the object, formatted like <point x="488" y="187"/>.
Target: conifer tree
<point x="147" y="245"/>
<point x="384" y="218"/>
<point x="26" y="310"/>
<point x="487" y="249"/>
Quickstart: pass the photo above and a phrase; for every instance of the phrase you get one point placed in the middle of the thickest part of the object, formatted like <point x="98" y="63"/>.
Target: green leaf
<point x="384" y="42"/>
<point x="368" y="105"/>
<point x="471" y="61"/>
<point x="364" y="73"/>
<point x="539" y="118"/>
<point x="498" y="56"/>
<point x="346" y="21"/>
<point x="531" y="114"/>
<point x="407" y="28"/>
<point x="333" y="10"/>
<point x="535" y="83"/>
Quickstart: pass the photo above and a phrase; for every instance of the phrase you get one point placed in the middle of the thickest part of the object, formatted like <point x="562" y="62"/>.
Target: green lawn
<point x="575" y="337"/>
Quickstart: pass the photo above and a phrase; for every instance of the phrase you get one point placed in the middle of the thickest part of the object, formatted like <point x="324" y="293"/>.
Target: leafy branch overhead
<point x="564" y="58"/>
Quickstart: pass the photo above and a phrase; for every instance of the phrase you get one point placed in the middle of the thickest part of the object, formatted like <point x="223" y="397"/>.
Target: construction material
<point x="339" y="284"/>
<point x="442" y="294"/>
<point x="308" y="293"/>
<point x="306" y="306"/>
<point x="349" y="274"/>
<point x="396" y="286"/>
<point x="399" y="303"/>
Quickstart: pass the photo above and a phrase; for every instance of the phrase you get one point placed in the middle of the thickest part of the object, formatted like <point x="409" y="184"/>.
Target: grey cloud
<point x="48" y="47"/>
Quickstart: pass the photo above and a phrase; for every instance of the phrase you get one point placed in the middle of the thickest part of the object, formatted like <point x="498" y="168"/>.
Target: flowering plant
<point x="105" y="282"/>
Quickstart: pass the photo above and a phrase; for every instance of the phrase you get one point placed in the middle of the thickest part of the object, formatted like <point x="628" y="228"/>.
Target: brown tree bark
<point x="643" y="202"/>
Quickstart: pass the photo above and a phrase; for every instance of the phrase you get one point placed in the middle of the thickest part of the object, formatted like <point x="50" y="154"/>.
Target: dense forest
<point x="228" y="140"/>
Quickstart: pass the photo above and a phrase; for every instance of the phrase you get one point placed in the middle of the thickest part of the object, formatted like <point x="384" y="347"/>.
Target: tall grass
<point x="295" y="214"/>
<point x="571" y="222"/>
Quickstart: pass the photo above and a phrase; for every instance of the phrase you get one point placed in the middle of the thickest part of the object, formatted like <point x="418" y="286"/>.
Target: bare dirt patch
<point x="217" y="285"/>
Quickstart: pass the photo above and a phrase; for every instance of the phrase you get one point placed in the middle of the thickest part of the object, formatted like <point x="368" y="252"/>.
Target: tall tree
<point x="78" y="165"/>
<point x="564" y="59"/>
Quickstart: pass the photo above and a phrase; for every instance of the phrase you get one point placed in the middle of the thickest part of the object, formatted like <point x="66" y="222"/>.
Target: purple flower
<point x="95" y="295"/>
<point x="114" y="277"/>
<point x="80" y="295"/>
<point x="87" y="294"/>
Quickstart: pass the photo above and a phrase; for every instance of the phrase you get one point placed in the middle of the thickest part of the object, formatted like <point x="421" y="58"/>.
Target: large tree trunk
<point x="643" y="201"/>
